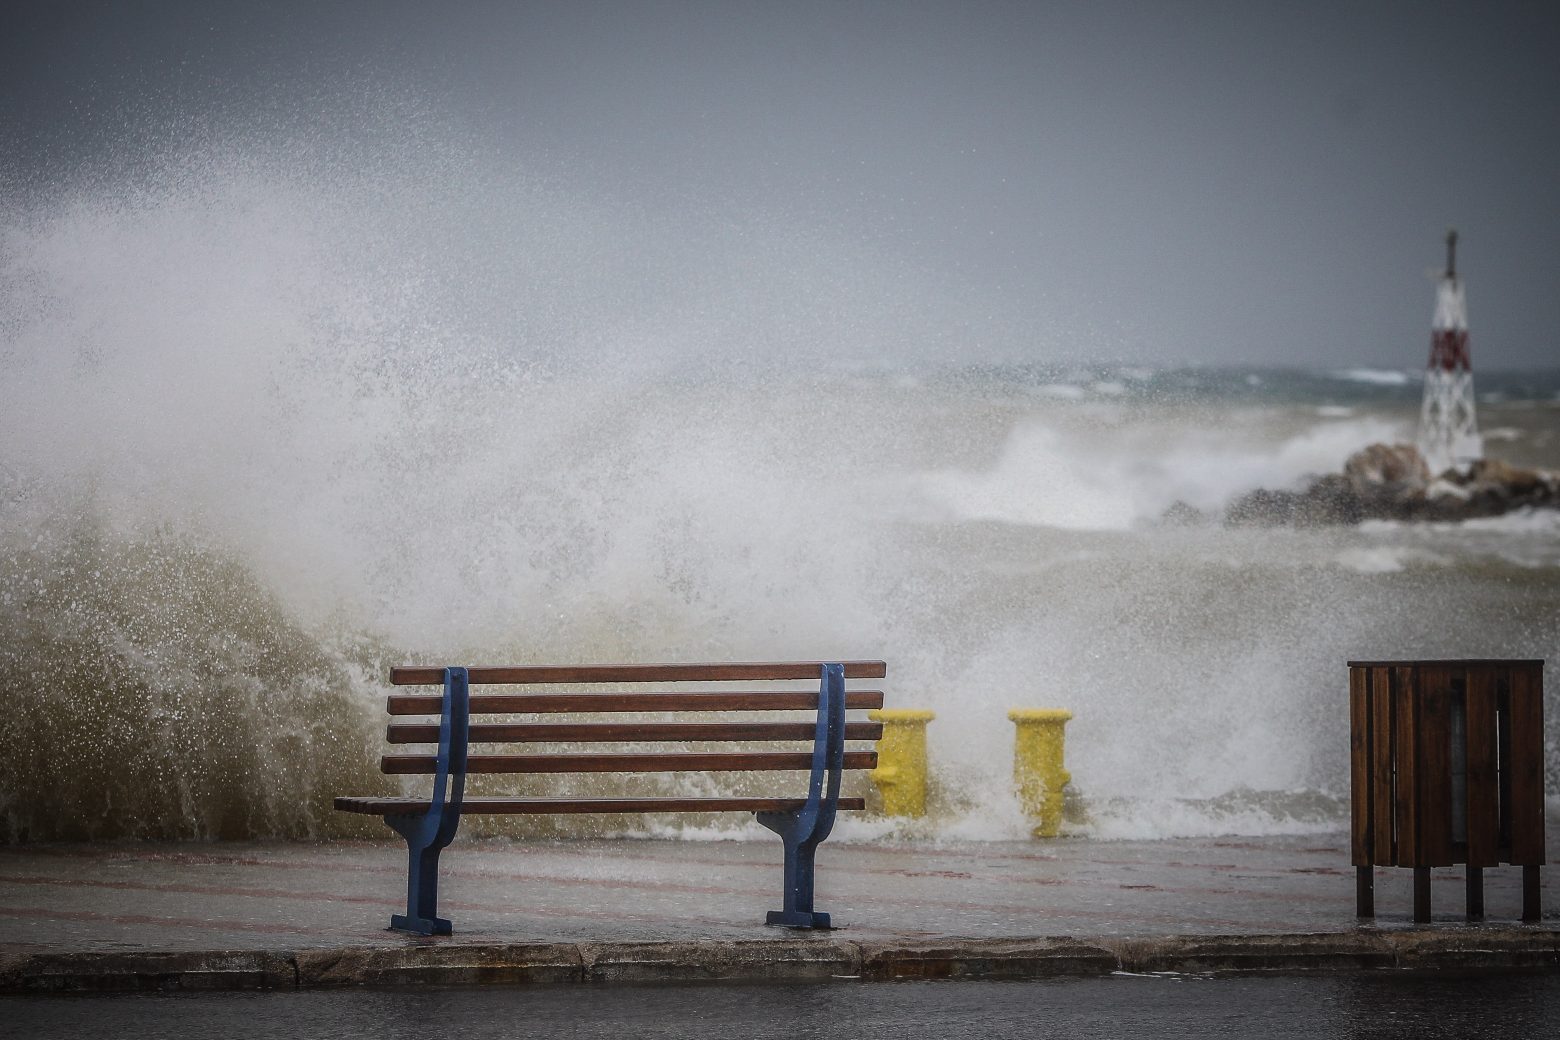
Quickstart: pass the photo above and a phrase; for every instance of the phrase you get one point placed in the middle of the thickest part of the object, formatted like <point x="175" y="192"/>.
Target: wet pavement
<point x="291" y="899"/>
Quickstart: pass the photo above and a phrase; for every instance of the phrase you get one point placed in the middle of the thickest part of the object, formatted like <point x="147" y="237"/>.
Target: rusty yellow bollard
<point x="1037" y="765"/>
<point x="901" y="771"/>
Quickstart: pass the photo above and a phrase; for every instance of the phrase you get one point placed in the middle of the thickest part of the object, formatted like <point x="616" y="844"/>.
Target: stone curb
<point x="736" y="959"/>
<point x="1326" y="951"/>
<point x="453" y="964"/>
<point x="988" y="958"/>
<point x="1475" y="948"/>
<point x="90" y="972"/>
<point x="439" y="964"/>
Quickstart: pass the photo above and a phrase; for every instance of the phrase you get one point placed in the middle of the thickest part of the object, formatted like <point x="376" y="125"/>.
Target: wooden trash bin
<point x="1447" y="767"/>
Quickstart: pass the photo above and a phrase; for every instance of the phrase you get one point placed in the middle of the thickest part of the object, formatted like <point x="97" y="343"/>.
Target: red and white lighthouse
<point x="1448" y="430"/>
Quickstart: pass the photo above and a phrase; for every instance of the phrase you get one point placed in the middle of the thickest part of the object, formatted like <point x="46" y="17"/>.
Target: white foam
<point x="1325" y="448"/>
<point x="1526" y="521"/>
<point x="1037" y="481"/>
<point x="1166" y="818"/>
<point x="1373" y="376"/>
<point x="1384" y="559"/>
<point x="1061" y="391"/>
<point x="1107" y="479"/>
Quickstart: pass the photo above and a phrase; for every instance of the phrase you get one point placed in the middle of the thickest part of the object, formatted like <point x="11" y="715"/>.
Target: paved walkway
<point x="128" y="899"/>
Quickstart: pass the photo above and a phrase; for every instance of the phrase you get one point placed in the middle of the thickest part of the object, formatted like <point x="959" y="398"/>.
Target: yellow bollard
<point x="901" y="771"/>
<point x="1037" y="765"/>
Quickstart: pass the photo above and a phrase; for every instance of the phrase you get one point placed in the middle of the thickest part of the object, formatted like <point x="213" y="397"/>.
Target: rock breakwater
<point x="1392" y="482"/>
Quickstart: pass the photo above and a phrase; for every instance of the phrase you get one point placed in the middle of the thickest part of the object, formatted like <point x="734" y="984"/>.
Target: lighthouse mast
<point x="1448" y="432"/>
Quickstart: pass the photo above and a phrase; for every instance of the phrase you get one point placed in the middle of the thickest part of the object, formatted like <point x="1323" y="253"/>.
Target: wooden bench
<point x="802" y="819"/>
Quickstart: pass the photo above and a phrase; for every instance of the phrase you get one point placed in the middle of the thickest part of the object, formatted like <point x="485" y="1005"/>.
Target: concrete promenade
<point x="282" y="915"/>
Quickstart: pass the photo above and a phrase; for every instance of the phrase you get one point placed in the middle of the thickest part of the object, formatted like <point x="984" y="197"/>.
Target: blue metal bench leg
<point x="429" y="833"/>
<point x="798" y="912"/>
<point x="804" y="828"/>
<point x="422" y="881"/>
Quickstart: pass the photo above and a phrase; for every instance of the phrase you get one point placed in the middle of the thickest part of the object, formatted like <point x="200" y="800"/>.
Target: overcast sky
<point x="1209" y="182"/>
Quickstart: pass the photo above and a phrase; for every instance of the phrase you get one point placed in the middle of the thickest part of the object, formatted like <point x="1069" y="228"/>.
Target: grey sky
<point x="1213" y="182"/>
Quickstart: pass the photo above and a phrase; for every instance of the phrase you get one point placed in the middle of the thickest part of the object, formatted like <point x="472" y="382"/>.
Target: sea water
<point x="270" y="423"/>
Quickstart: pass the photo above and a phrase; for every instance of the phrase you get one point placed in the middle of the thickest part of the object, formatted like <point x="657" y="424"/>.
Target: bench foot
<point x="799" y="870"/>
<point x="422" y="873"/>
<point x="419" y="925"/>
<point x="797" y="919"/>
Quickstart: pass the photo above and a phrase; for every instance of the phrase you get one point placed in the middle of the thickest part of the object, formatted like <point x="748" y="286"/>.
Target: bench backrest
<point x="455" y="733"/>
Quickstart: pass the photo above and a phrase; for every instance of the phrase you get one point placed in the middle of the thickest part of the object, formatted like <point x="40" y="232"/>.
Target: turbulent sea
<point x="236" y="484"/>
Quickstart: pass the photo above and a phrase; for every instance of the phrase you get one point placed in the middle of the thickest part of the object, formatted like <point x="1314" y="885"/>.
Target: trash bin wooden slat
<point x="1380" y="769"/>
<point x="1434" y="733"/>
<point x="1527" y="765"/>
<point x="1405" y="797"/>
<point x="1361" y="822"/>
<point x="1483" y="782"/>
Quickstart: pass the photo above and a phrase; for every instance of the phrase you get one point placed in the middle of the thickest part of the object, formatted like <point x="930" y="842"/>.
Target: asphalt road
<point x="1378" y="1006"/>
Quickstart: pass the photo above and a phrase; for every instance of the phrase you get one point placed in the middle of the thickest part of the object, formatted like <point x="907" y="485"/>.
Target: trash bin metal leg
<point x="1365" y="891"/>
<point x="1475" y="893"/>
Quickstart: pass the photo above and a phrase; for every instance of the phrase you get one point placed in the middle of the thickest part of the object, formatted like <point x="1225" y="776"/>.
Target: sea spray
<point x="276" y="416"/>
<point x="155" y="690"/>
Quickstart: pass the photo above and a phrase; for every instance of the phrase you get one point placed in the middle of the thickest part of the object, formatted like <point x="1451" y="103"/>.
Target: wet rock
<point x="1504" y="478"/>
<point x="1263" y="508"/>
<point x="1398" y="466"/>
<point x="1181" y="514"/>
<point x="1328" y="500"/>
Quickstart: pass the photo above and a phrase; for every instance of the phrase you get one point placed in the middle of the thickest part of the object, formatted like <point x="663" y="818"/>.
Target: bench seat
<point x="544" y="806"/>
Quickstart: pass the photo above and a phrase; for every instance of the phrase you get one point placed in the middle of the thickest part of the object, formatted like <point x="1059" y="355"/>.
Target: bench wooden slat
<point x="593" y="732"/>
<point x="700" y="700"/>
<point x="670" y="762"/>
<point x="376" y="806"/>
<point x="416" y="675"/>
